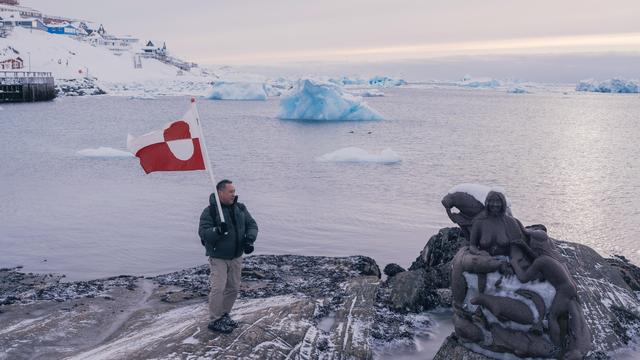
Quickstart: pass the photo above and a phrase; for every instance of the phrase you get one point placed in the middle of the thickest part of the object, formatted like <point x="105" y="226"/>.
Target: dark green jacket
<point x="241" y="229"/>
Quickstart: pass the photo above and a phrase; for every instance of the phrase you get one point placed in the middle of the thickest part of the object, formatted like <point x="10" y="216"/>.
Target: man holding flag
<point x="225" y="244"/>
<point x="180" y="146"/>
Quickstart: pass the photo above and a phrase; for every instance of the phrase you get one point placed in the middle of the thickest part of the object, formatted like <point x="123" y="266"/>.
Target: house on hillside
<point x="151" y="50"/>
<point x="12" y="64"/>
<point x="13" y="19"/>
<point x="65" y="29"/>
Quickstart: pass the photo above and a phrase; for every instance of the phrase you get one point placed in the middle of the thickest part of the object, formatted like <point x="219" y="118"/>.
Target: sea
<point x="565" y="159"/>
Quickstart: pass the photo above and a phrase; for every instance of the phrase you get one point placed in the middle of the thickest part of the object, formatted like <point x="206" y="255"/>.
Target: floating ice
<point x="316" y="100"/>
<point x="518" y="90"/>
<point x="368" y="93"/>
<point x="104" y="152"/>
<point x="482" y="82"/>
<point x="609" y="86"/>
<point x="385" y="81"/>
<point x="354" y="154"/>
<point x="222" y="90"/>
<point x="348" y="81"/>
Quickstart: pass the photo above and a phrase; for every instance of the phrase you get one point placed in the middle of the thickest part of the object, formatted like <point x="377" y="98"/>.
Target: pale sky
<point x="240" y="32"/>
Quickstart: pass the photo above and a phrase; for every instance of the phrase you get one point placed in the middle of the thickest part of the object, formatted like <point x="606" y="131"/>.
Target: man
<point x="225" y="243"/>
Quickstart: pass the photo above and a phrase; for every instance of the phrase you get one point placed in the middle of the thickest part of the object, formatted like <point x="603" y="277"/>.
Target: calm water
<point x="567" y="161"/>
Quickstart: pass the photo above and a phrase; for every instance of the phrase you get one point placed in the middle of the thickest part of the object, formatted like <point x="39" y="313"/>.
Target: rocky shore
<point x="290" y="307"/>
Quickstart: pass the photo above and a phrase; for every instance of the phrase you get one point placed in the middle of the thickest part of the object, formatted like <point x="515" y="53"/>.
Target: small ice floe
<point x="222" y="90"/>
<point x="358" y="155"/>
<point x="318" y="100"/>
<point x="368" y="93"/>
<point x="385" y="81"/>
<point x="615" y="85"/>
<point x="482" y="82"/>
<point x="145" y="96"/>
<point x="104" y="152"/>
<point x="517" y="90"/>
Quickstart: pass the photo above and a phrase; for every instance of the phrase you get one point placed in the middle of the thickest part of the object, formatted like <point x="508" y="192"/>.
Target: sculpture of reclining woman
<point x="565" y="303"/>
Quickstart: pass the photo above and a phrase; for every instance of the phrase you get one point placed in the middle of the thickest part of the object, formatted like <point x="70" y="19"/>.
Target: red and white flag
<point x="176" y="147"/>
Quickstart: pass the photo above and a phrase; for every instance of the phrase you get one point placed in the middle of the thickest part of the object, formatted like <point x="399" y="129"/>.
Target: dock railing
<point x="25" y="77"/>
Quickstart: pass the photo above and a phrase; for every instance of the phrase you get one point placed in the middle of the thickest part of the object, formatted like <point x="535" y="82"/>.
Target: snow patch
<point x="354" y="154"/>
<point x="222" y="90"/>
<point x="317" y="100"/>
<point x="104" y="152"/>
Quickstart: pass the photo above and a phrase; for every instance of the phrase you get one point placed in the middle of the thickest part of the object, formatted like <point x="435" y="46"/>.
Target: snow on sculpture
<point x="316" y="100"/>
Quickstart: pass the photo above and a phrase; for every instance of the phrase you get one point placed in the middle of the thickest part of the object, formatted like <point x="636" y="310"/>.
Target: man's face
<point x="227" y="194"/>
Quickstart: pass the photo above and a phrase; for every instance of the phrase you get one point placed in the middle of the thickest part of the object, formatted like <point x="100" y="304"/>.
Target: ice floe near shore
<point x="104" y="152"/>
<point x="222" y="90"/>
<point x="614" y="85"/>
<point x="355" y="154"/>
<point x="317" y="100"/>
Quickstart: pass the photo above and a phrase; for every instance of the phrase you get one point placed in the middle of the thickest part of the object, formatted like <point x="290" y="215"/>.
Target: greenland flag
<point x="174" y="148"/>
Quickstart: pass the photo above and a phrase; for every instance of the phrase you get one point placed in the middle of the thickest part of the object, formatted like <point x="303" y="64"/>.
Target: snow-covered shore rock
<point x="317" y="100"/>
<point x="78" y="87"/>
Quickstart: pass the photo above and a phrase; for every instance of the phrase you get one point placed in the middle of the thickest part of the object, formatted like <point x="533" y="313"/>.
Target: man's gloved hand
<point x="222" y="229"/>
<point x="248" y="248"/>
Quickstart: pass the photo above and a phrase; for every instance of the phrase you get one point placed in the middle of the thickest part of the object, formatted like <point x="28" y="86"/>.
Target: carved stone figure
<point x="565" y="303"/>
<point x="501" y="312"/>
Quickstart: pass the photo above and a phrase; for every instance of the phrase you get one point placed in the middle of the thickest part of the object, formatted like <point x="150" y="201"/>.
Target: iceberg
<point x="354" y="154"/>
<point x="222" y="90"/>
<point x="467" y="81"/>
<point x="316" y="100"/>
<point x="385" y="81"/>
<point x="614" y="85"/>
<point x="104" y="152"/>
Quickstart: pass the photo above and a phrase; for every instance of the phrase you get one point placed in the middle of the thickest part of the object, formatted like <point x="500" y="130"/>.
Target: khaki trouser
<point x="224" y="282"/>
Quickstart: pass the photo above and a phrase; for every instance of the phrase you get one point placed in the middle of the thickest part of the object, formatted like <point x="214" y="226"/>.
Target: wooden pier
<point x="26" y="86"/>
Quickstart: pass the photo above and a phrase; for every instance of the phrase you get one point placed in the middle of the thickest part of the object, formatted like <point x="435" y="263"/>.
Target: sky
<point x="243" y="32"/>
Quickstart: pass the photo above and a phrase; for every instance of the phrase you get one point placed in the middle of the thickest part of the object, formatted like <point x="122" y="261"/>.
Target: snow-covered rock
<point x="78" y="87"/>
<point x="316" y="100"/>
<point x="354" y="154"/>
<point x="614" y="85"/>
<point x="385" y="81"/>
<point x="222" y="90"/>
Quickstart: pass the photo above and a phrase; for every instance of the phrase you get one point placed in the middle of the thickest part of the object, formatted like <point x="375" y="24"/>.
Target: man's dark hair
<point x="222" y="184"/>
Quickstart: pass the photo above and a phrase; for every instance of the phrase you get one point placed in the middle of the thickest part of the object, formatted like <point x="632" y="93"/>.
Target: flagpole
<point x="206" y="159"/>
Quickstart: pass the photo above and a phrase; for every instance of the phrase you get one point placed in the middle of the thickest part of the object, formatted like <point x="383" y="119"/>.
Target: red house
<point x="12" y="64"/>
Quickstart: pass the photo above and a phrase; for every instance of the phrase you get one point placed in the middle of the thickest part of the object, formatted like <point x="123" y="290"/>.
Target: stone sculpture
<point x="510" y="291"/>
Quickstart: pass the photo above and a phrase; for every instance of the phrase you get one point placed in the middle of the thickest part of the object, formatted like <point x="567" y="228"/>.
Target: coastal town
<point x="13" y="15"/>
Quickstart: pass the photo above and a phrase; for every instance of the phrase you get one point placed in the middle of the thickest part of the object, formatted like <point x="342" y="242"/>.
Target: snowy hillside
<point x="67" y="58"/>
